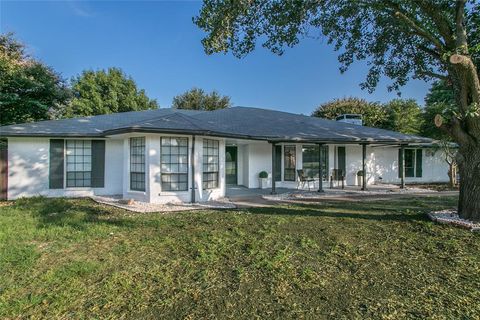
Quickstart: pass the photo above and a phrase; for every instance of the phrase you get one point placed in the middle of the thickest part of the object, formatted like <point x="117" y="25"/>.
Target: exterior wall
<point x="259" y="159"/>
<point x="434" y="167"/>
<point x="380" y="162"/>
<point x="28" y="171"/>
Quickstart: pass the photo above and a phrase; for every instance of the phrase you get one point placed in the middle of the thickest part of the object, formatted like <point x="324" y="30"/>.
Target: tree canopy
<point x="373" y="113"/>
<point x="198" y="99"/>
<point x="440" y="99"/>
<point x="404" y="115"/>
<point x="106" y="91"/>
<point x="29" y="90"/>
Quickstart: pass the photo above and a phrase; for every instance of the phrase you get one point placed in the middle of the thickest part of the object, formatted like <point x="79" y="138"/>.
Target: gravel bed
<point x="144" y="207"/>
<point x="450" y="216"/>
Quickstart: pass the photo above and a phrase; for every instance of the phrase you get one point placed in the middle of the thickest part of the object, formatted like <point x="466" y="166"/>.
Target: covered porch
<point x="311" y="166"/>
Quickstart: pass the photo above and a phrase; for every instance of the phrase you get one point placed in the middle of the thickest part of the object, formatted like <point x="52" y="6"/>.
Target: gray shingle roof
<point x="237" y="122"/>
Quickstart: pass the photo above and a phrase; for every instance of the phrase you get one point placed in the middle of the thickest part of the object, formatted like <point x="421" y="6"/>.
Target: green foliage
<point x="439" y="100"/>
<point x="197" y="99"/>
<point x="263" y="174"/>
<point x="103" y="92"/>
<point x="373" y="114"/>
<point x="404" y="115"/>
<point x="29" y="90"/>
<point x="359" y="259"/>
<point x="377" y="31"/>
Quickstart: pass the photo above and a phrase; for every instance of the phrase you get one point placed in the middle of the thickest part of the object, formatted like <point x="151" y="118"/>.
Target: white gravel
<point x="450" y="216"/>
<point x="145" y="207"/>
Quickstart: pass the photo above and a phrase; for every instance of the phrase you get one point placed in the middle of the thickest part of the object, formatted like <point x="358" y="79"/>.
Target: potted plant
<point x="263" y="177"/>
<point x="360" y="177"/>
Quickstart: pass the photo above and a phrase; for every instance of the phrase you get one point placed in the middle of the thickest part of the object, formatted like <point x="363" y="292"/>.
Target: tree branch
<point x="471" y="72"/>
<point x="460" y="31"/>
<point x="442" y="24"/>
<point x="433" y="75"/>
<point x="455" y="130"/>
<point x="418" y="30"/>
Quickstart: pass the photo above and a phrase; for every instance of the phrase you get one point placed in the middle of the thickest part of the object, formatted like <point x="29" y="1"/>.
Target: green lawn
<point x="381" y="259"/>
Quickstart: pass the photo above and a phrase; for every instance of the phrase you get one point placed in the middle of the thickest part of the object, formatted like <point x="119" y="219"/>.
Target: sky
<point x="157" y="44"/>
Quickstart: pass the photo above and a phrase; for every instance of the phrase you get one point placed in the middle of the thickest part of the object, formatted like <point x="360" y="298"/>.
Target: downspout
<point x="364" y="167"/>
<point x="274" y="169"/>
<point x="192" y="160"/>
<point x="401" y="166"/>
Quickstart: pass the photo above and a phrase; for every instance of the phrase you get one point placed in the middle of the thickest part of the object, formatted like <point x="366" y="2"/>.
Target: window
<point x="210" y="164"/>
<point x="137" y="164"/>
<point x="79" y="163"/>
<point x="289" y="163"/>
<point x="174" y="163"/>
<point x="310" y="158"/>
<point x="413" y="163"/>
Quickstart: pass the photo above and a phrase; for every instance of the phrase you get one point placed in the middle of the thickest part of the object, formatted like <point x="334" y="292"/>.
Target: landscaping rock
<point x="144" y="207"/>
<point x="450" y="216"/>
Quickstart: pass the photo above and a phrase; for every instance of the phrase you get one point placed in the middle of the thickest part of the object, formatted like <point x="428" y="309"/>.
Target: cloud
<point x="81" y="8"/>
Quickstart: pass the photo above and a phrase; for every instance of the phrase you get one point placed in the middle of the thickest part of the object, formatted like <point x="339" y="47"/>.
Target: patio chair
<point x="302" y="179"/>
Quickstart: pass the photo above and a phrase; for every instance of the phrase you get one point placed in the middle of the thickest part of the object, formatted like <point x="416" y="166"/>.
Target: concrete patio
<point x="243" y="197"/>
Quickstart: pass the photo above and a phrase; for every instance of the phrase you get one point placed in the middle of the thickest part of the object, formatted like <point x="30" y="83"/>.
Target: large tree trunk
<point x="465" y="129"/>
<point x="469" y="168"/>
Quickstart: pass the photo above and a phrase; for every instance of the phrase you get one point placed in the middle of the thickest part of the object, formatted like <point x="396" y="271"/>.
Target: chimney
<point x="351" y="118"/>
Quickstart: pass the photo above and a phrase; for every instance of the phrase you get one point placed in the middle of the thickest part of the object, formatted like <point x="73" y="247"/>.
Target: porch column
<point x="401" y="166"/>
<point x="274" y="169"/>
<point x="364" y="168"/>
<point x="320" y="167"/>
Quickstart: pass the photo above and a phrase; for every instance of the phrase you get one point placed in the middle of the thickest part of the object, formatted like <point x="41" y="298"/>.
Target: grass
<point x="381" y="259"/>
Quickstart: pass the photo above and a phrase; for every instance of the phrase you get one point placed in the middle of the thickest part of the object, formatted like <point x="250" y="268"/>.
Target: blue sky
<point x="158" y="45"/>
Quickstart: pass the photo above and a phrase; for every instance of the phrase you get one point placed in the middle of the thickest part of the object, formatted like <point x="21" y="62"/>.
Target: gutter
<point x="215" y="134"/>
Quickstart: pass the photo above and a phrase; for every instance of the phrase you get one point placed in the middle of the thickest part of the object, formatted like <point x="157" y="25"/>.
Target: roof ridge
<point x="151" y="119"/>
<point x="166" y="116"/>
<point x="189" y="119"/>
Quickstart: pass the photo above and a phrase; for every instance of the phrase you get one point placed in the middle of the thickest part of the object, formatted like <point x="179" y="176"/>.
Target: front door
<point x="231" y="164"/>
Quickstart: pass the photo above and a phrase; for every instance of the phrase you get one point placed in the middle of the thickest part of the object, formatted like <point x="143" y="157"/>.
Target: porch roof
<point x="236" y="122"/>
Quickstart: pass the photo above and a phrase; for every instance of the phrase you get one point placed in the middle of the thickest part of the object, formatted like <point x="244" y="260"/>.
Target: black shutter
<point x="400" y="163"/>
<point x="342" y="164"/>
<point x="418" y="168"/>
<point x="98" y="163"/>
<point x="56" y="161"/>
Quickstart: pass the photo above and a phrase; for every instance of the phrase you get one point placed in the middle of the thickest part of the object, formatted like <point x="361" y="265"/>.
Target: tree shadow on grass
<point x="75" y="213"/>
<point x="411" y="209"/>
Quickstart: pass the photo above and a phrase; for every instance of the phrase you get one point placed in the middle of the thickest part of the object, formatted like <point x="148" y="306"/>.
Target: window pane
<point x="210" y="163"/>
<point x="79" y="159"/>
<point x="409" y="163"/>
<point x="137" y="164"/>
<point x="174" y="163"/>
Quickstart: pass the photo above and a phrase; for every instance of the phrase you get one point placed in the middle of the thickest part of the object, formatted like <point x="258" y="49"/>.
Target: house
<point x="169" y="155"/>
